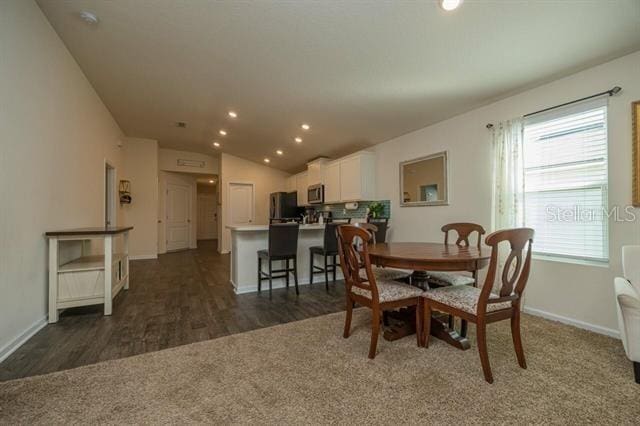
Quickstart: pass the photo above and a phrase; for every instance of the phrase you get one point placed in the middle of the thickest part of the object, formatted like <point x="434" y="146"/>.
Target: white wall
<point x="56" y="135"/>
<point x="578" y="292"/>
<point x="168" y="161"/>
<point x="141" y="169"/>
<point x="266" y="181"/>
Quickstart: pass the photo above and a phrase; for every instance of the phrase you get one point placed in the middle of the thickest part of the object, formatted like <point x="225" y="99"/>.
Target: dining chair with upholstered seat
<point x="464" y="231"/>
<point x="365" y="289"/>
<point x="482" y="306"/>
<point x="380" y="272"/>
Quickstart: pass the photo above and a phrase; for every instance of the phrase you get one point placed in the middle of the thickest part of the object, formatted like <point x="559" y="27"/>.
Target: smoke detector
<point x="89" y="17"/>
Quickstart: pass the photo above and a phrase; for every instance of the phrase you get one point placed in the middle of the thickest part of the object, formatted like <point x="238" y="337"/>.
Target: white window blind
<point x="565" y="160"/>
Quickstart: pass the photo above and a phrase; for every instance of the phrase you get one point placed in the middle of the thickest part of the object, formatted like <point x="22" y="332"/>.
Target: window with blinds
<point x="565" y="160"/>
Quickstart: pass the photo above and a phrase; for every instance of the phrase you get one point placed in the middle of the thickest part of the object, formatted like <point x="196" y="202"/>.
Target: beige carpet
<point x="306" y="373"/>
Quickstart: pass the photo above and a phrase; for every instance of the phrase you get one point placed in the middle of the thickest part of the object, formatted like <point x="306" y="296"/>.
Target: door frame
<point x="110" y="174"/>
<point x="253" y="198"/>
<point x="189" y="215"/>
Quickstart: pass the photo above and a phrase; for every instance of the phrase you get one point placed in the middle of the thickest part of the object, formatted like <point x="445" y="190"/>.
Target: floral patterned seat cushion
<point x="464" y="298"/>
<point x="447" y="278"/>
<point x="391" y="273"/>
<point x="390" y="291"/>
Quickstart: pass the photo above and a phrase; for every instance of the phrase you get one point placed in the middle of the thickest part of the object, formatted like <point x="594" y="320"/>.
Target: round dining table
<point x="422" y="257"/>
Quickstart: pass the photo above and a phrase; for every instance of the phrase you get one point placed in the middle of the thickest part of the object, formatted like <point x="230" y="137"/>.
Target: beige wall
<point x="168" y="161"/>
<point x="581" y="293"/>
<point x="141" y="168"/>
<point x="266" y="181"/>
<point x="56" y="135"/>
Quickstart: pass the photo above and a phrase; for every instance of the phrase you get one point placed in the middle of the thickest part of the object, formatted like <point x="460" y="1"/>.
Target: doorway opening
<point x="188" y="210"/>
<point x="207" y="226"/>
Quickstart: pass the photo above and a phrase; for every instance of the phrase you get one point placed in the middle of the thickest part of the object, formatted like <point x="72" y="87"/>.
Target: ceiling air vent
<point x="191" y="163"/>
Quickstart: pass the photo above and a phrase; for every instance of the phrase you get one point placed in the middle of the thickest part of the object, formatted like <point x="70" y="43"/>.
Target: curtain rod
<point x="613" y="91"/>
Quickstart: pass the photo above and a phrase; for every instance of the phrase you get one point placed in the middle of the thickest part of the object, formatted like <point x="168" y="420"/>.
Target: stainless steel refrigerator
<point x="283" y="205"/>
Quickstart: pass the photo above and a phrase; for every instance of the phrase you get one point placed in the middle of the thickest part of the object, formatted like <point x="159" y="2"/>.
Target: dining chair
<point x="283" y="246"/>
<point x="382" y="223"/>
<point x="379" y="271"/>
<point x="464" y="231"/>
<point x="482" y="306"/>
<point x="379" y="295"/>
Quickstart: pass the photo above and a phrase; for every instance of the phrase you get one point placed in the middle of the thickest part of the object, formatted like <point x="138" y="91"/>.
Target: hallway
<point x="181" y="298"/>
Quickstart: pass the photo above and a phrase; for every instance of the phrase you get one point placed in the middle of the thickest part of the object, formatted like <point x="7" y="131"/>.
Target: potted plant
<point x="376" y="210"/>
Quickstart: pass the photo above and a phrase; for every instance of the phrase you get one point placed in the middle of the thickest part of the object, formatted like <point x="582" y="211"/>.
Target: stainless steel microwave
<point x="315" y="194"/>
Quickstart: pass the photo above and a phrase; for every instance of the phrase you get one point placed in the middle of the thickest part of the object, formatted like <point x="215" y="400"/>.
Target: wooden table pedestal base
<point x="404" y="324"/>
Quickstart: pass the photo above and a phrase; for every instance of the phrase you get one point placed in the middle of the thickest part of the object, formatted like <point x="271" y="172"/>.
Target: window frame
<point x="552" y="115"/>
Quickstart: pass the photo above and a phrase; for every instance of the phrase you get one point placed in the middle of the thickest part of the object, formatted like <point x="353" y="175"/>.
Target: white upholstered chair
<point x="628" y="305"/>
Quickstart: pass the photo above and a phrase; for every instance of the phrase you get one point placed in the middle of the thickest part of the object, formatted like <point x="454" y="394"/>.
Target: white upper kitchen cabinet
<point x="316" y="171"/>
<point x="332" y="182"/>
<point x="357" y="177"/>
<point x="302" y="186"/>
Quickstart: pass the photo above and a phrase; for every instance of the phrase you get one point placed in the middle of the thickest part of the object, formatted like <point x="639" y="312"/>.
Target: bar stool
<point x="328" y="249"/>
<point x="283" y="245"/>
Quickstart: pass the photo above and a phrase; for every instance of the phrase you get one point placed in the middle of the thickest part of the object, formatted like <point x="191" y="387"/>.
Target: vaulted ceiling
<point x="358" y="72"/>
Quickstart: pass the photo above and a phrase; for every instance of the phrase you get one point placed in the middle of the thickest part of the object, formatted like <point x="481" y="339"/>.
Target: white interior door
<point x="207" y="217"/>
<point x="240" y="204"/>
<point x="178" y="216"/>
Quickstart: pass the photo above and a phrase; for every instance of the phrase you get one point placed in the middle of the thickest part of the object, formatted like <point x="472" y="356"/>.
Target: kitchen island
<point x="246" y="240"/>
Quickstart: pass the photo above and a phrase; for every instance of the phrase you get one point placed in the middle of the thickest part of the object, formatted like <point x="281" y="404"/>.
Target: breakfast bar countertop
<point x="248" y="228"/>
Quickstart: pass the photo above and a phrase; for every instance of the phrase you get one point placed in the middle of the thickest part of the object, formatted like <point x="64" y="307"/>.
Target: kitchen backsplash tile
<point x="338" y="210"/>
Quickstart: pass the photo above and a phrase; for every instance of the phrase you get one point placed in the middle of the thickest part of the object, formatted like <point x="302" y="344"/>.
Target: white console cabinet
<point x="86" y="279"/>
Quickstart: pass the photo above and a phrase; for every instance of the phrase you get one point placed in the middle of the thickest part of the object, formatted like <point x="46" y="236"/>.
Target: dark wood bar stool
<point x="329" y="249"/>
<point x="382" y="223"/>
<point x="283" y="246"/>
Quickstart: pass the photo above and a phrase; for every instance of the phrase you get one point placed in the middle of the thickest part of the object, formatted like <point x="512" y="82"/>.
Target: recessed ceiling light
<point x="232" y="114"/>
<point x="216" y="144"/>
<point x="279" y="152"/>
<point x="223" y="132"/>
<point x="450" y="5"/>
<point x="89" y="17"/>
<point x="266" y="160"/>
<point x="298" y="139"/>
<point x="212" y="181"/>
<point x="305" y="126"/>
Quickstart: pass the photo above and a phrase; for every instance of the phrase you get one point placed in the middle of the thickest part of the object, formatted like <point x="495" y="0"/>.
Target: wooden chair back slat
<point x="353" y="260"/>
<point x="371" y="229"/>
<point x="464" y="231"/>
<point x="515" y="270"/>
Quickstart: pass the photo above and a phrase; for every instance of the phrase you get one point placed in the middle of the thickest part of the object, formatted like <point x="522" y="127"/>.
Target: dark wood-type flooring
<point x="180" y="298"/>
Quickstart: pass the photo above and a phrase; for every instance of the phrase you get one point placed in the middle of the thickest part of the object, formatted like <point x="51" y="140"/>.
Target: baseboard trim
<point x="143" y="257"/>
<point x="265" y="286"/>
<point x="574" y="322"/>
<point x="13" y="345"/>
